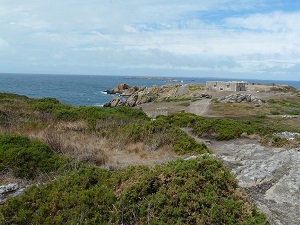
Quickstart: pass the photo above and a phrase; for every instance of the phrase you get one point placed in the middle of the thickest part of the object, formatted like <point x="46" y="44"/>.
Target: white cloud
<point x="3" y="43"/>
<point x="215" y="35"/>
<point x="275" y="22"/>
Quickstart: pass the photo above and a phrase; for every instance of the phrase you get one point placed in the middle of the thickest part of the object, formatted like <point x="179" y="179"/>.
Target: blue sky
<point x="257" y="39"/>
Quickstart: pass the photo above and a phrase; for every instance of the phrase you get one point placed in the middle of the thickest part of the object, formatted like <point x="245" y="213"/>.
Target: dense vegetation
<point x="27" y="159"/>
<point x="197" y="191"/>
<point x="231" y="128"/>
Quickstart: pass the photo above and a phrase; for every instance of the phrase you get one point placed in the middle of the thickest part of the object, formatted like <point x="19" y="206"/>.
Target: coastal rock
<point x="129" y="91"/>
<point x="116" y="101"/>
<point x="133" y="96"/>
<point x="287" y="135"/>
<point x="131" y="101"/>
<point x="119" y="89"/>
<point x="240" y="98"/>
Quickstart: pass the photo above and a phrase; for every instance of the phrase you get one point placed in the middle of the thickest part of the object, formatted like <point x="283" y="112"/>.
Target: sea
<point x="89" y="90"/>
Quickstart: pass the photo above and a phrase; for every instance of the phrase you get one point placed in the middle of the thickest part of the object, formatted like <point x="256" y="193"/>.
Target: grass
<point x="193" y="88"/>
<point x="285" y="107"/>
<point x="177" y="99"/>
<point x="278" y="105"/>
<point x="229" y="128"/>
<point x="71" y="129"/>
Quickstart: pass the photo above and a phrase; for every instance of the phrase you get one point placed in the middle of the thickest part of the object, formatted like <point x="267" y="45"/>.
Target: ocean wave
<point x="98" y="104"/>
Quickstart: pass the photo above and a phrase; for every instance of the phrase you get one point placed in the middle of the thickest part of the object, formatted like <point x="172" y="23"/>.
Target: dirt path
<point x="270" y="176"/>
<point x="199" y="107"/>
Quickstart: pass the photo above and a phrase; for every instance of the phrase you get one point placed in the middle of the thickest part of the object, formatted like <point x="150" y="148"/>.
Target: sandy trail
<point x="199" y="107"/>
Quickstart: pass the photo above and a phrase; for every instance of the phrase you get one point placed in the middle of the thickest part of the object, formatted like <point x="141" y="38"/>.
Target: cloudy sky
<point x="204" y="38"/>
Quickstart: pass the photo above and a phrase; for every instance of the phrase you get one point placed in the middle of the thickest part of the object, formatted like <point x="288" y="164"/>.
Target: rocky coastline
<point x="134" y="96"/>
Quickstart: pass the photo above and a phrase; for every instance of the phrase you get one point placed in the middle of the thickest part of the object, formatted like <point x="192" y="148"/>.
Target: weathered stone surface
<point x="131" y="101"/>
<point x="116" y="101"/>
<point x="113" y="103"/>
<point x="119" y="89"/>
<point x="10" y="190"/>
<point x="140" y="95"/>
<point x="129" y="91"/>
<point x="239" y="98"/>
<point x="287" y="135"/>
<point x="270" y="176"/>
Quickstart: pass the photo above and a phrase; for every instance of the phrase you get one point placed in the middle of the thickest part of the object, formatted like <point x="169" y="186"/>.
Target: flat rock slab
<point x="270" y="176"/>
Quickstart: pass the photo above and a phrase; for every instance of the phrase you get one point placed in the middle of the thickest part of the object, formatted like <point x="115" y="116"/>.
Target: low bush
<point x="274" y="141"/>
<point x="66" y="115"/>
<point x="199" y="191"/>
<point x="221" y="128"/>
<point x="27" y="158"/>
<point x="156" y="134"/>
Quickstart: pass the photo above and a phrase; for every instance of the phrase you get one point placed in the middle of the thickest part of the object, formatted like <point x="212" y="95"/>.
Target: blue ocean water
<point x="87" y="90"/>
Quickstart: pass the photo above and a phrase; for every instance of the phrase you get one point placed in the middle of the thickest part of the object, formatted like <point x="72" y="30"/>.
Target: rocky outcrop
<point x="240" y="98"/>
<point x="123" y="89"/>
<point x="270" y="176"/>
<point x="287" y="135"/>
<point x="10" y="190"/>
<point x="133" y="96"/>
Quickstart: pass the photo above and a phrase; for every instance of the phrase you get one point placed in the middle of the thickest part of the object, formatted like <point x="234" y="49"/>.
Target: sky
<point x="257" y="39"/>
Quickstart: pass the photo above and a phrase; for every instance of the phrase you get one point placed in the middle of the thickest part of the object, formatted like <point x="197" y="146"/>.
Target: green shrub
<point x="199" y="191"/>
<point x="66" y="115"/>
<point x="182" y="119"/>
<point x="272" y="101"/>
<point x="293" y="112"/>
<point x="27" y="158"/>
<point x="221" y="128"/>
<point x="44" y="104"/>
<point x="158" y="133"/>
<point x="275" y="112"/>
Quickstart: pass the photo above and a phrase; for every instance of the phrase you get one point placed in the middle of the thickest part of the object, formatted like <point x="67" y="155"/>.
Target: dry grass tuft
<point x="53" y="139"/>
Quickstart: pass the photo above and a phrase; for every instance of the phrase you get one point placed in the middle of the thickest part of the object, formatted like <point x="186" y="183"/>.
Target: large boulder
<point x="240" y="98"/>
<point x="116" y="101"/>
<point x="130" y="91"/>
<point x="119" y="89"/>
<point x="131" y="101"/>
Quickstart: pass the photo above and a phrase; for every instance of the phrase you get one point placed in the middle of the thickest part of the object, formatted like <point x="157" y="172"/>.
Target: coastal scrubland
<point x="91" y="165"/>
